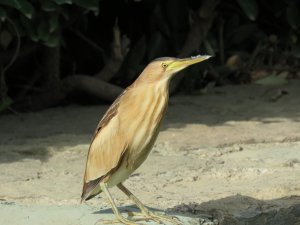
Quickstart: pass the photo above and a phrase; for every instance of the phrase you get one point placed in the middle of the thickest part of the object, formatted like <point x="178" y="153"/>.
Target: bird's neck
<point x="147" y="105"/>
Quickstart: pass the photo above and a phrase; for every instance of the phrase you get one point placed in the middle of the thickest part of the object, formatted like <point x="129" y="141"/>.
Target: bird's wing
<point x="106" y="150"/>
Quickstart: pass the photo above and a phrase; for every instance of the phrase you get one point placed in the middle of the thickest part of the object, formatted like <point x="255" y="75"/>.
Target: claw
<point x="157" y="217"/>
<point x="117" y="221"/>
<point x="144" y="217"/>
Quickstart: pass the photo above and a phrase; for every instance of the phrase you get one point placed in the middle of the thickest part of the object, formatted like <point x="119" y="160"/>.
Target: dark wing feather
<point x="97" y="167"/>
<point x="110" y="113"/>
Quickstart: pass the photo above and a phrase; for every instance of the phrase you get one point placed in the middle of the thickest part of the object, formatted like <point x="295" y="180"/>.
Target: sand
<point x="230" y="156"/>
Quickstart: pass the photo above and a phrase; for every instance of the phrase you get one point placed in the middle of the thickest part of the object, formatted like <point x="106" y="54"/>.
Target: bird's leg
<point x="120" y="218"/>
<point x="145" y="211"/>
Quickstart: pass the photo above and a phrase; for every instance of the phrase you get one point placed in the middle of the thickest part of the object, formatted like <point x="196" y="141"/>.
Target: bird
<point x="126" y="134"/>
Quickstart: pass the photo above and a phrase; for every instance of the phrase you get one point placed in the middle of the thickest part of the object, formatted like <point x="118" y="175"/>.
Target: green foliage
<point x="2" y="14"/>
<point x="5" y="104"/>
<point x="279" y="18"/>
<point x="49" y="6"/>
<point x="293" y="16"/>
<point x="273" y="80"/>
<point x="90" y="5"/>
<point x="42" y="20"/>
<point x="250" y="39"/>
<point x="5" y="38"/>
<point x="250" y="8"/>
<point x="23" y="6"/>
<point x="61" y="2"/>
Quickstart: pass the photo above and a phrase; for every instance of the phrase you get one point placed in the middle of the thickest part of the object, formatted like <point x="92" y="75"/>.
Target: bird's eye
<point x="164" y="65"/>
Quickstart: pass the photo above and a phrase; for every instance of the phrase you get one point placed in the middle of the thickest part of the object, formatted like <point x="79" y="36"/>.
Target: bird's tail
<point x="90" y="190"/>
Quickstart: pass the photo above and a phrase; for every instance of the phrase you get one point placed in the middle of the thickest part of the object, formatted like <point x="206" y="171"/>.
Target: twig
<point x="197" y="34"/>
<point x="76" y="83"/>
<point x="221" y="41"/>
<point x="118" y="53"/>
<point x="117" y="49"/>
<point x="256" y="51"/>
<point x="3" y="86"/>
<point x="13" y="111"/>
<point x="13" y="59"/>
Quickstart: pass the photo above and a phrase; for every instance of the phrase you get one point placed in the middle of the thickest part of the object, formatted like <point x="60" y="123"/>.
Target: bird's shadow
<point x="125" y="209"/>
<point x="179" y="216"/>
<point x="232" y="210"/>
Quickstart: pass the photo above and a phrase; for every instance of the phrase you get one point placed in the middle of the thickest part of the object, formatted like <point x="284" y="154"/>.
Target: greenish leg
<point x="120" y="218"/>
<point x="146" y="212"/>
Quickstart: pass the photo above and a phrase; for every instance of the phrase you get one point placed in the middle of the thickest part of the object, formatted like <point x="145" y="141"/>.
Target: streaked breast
<point x="141" y="120"/>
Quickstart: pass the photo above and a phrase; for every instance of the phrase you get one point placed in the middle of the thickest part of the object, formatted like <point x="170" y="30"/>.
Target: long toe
<point x="157" y="217"/>
<point x="143" y="217"/>
<point x="164" y="217"/>
<point x="117" y="221"/>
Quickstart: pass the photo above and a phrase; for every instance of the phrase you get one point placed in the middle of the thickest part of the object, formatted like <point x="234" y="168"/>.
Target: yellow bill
<point x="183" y="63"/>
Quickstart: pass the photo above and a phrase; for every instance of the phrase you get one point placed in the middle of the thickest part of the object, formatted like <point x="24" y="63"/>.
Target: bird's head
<point x="164" y="68"/>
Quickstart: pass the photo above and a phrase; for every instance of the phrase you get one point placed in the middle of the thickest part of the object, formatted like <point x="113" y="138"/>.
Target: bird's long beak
<point x="183" y="63"/>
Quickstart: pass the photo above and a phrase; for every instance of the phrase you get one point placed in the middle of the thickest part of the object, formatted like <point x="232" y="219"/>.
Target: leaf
<point x="293" y="16"/>
<point x="7" y="101"/>
<point x="2" y="14"/>
<point x="61" y="2"/>
<point x="43" y="30"/>
<point x="53" y="22"/>
<point x="250" y="8"/>
<point x="53" y="40"/>
<point x="66" y="15"/>
<point x="49" y="6"/>
<point x="22" y="5"/>
<point x="209" y="48"/>
<point x="92" y="5"/>
<point x="296" y="51"/>
<point x="5" y="38"/>
<point x="29" y="28"/>
<point x="272" y="80"/>
<point x="283" y="74"/>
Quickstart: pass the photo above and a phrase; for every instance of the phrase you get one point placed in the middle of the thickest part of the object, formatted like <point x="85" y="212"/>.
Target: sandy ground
<point x="232" y="154"/>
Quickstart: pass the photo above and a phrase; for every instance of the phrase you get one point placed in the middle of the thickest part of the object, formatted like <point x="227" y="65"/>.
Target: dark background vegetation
<point x="55" y="52"/>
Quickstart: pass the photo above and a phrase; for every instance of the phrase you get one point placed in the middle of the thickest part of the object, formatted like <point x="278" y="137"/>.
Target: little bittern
<point x="127" y="132"/>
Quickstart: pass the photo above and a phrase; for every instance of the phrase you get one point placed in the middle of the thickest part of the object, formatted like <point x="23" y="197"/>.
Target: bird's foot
<point x="119" y="220"/>
<point x="157" y="217"/>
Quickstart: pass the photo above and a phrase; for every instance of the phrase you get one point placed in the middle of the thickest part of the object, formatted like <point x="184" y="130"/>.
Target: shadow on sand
<point x="244" y="210"/>
<point x="232" y="210"/>
<point x="73" y="125"/>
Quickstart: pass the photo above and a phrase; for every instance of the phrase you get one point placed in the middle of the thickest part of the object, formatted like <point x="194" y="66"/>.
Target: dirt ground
<point x="232" y="154"/>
